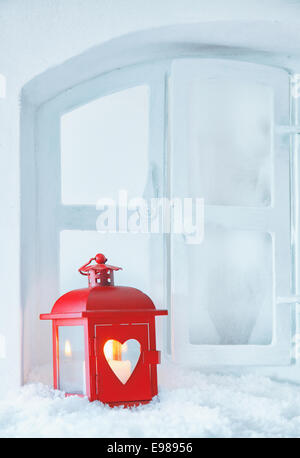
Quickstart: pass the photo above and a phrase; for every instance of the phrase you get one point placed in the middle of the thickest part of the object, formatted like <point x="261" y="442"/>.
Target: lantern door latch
<point x="151" y="357"/>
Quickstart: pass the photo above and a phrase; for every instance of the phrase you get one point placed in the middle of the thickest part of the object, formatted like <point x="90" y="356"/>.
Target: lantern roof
<point x="101" y="297"/>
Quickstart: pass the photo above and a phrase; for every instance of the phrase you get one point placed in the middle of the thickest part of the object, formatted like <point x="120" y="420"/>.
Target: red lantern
<point x="104" y="342"/>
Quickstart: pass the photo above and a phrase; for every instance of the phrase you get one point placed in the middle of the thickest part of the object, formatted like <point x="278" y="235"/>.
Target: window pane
<point x="231" y="291"/>
<point x="222" y="125"/>
<point x="71" y="359"/>
<point x="104" y="147"/>
<point x="229" y="128"/>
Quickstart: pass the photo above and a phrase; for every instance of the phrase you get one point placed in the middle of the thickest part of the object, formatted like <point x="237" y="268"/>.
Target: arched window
<point x="175" y="127"/>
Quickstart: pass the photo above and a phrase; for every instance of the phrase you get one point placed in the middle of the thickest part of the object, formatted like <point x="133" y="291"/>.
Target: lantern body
<point x="95" y="330"/>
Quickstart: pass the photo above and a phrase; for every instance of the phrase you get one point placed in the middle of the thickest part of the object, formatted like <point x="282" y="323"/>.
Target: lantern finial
<point x="100" y="258"/>
<point x="99" y="274"/>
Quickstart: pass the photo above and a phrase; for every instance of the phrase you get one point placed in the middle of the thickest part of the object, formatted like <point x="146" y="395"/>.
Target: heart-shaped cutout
<point x="122" y="358"/>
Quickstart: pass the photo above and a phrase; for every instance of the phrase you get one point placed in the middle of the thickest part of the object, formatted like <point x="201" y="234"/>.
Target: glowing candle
<point x="113" y="351"/>
<point x="122" y="369"/>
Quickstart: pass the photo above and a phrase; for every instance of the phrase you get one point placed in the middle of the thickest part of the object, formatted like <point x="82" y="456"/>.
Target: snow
<point x="190" y="404"/>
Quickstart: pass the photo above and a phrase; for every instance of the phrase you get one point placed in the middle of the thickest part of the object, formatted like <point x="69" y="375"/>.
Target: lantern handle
<point x="85" y="265"/>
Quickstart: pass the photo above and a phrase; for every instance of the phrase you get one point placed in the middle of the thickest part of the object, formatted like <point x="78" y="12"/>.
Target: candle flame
<point x="68" y="348"/>
<point x="113" y="350"/>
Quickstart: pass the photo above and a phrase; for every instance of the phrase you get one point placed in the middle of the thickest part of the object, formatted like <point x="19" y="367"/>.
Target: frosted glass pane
<point x="231" y="292"/>
<point x="71" y="359"/>
<point x="229" y="128"/>
<point x="130" y="251"/>
<point x="104" y="147"/>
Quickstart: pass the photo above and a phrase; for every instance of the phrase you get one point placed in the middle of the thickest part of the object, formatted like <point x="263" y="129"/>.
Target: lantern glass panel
<point x="71" y="376"/>
<point x="122" y="357"/>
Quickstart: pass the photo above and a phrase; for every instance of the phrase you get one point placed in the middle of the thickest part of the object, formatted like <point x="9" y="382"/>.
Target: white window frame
<point x="49" y="217"/>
